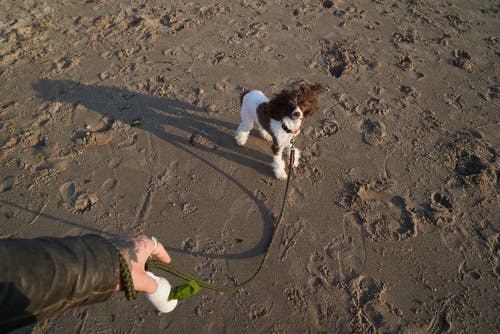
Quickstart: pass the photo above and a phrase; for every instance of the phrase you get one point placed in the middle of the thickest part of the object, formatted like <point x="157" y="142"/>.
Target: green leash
<point x="194" y="284"/>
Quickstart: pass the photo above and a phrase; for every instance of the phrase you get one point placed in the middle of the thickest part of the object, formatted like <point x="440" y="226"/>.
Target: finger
<point x="161" y="253"/>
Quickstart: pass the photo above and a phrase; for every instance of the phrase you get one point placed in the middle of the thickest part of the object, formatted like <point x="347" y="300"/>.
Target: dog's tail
<point x="242" y="94"/>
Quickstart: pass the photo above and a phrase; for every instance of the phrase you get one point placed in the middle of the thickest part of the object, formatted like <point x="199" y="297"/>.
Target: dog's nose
<point x="296" y="114"/>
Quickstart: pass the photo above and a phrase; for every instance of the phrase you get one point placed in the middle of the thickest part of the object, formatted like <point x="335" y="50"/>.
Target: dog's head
<point x="296" y="104"/>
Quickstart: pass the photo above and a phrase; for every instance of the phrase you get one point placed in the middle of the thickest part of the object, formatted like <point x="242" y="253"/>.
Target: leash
<point x="194" y="283"/>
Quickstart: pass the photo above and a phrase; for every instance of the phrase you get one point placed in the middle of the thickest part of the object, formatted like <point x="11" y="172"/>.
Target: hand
<point x="136" y="251"/>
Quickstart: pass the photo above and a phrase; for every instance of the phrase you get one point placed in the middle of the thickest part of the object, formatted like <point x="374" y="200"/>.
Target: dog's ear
<point x="317" y="88"/>
<point x="308" y="102"/>
<point x="314" y="89"/>
<point x="304" y="89"/>
<point x="278" y="106"/>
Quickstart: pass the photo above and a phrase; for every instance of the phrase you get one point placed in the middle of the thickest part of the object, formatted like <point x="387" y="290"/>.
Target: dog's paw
<point x="241" y="139"/>
<point x="280" y="174"/>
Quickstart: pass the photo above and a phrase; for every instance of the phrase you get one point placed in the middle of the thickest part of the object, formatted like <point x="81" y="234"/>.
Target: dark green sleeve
<point x="42" y="277"/>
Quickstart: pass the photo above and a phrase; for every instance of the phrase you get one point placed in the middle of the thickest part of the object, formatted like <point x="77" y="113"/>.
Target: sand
<point x="119" y="117"/>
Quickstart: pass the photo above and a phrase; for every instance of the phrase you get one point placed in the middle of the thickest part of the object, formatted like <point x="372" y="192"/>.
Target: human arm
<point x="42" y="277"/>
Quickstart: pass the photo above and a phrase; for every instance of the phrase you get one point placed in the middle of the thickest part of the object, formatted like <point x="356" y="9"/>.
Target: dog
<point x="278" y="120"/>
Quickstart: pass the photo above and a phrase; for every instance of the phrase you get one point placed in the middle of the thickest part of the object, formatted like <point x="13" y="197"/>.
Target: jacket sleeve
<point x="42" y="277"/>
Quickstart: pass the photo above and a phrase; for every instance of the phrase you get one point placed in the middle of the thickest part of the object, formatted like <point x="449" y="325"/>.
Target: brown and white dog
<point x="278" y="120"/>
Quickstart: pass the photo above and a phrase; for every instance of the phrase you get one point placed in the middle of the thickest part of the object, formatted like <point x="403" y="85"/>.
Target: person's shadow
<point x="157" y="115"/>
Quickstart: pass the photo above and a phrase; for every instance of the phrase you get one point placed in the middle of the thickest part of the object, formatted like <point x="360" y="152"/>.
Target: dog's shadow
<point x="158" y="114"/>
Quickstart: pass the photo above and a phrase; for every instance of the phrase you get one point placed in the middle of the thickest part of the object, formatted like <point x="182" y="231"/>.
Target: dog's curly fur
<point x="278" y="120"/>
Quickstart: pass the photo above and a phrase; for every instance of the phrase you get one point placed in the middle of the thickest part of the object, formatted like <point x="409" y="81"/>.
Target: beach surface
<point x="119" y="117"/>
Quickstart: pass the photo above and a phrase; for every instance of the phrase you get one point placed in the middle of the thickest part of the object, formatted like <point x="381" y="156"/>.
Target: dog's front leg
<point x="278" y="163"/>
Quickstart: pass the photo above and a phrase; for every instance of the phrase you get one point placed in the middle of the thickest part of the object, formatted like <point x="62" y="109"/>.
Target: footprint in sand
<point x="65" y="63"/>
<point x="449" y="315"/>
<point x="205" y="307"/>
<point x="259" y="311"/>
<point x="349" y="248"/>
<point x="376" y="106"/>
<point x="384" y="216"/>
<point x="84" y="202"/>
<point x="492" y="93"/>
<point x="206" y="269"/>
<point x="327" y="129"/>
<point x="188" y="208"/>
<point x="473" y="161"/>
<point x="342" y="260"/>
<point x="463" y="60"/>
<point x="407" y="64"/>
<point x="296" y="298"/>
<point x="189" y="245"/>
<point x="374" y="314"/>
<point x="97" y="138"/>
<point x="76" y="201"/>
<point x="341" y="57"/>
<point x="320" y="269"/>
<point x="440" y="210"/>
<point x="308" y="169"/>
<point x="440" y="202"/>
<point x="106" y="75"/>
<point x="290" y="235"/>
<point x="404" y="38"/>
<point x="373" y="132"/>
<point x="467" y="271"/>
